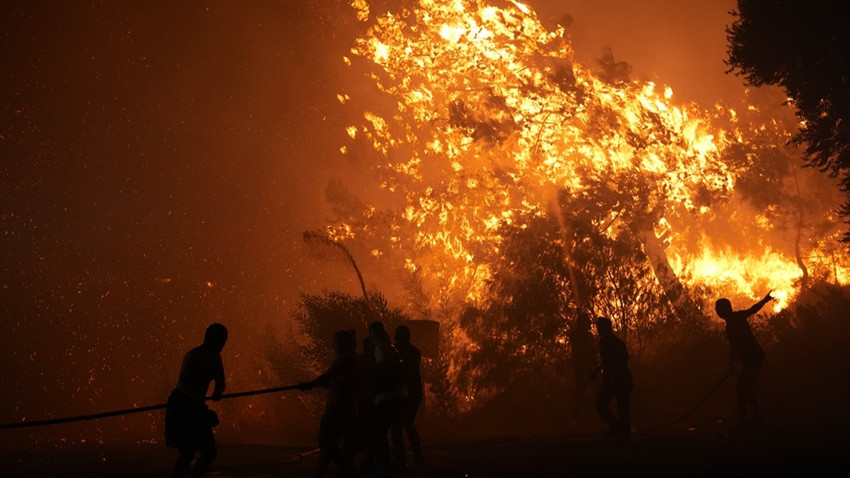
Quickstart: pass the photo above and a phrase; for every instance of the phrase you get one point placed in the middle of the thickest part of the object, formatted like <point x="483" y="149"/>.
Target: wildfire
<point x="488" y="117"/>
<point x="744" y="275"/>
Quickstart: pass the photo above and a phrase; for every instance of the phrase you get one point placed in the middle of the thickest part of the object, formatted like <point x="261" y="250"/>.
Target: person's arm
<point x="317" y="382"/>
<point x="218" y="391"/>
<point x="415" y="359"/>
<point x="380" y="354"/>
<point x="322" y="380"/>
<point x="758" y="305"/>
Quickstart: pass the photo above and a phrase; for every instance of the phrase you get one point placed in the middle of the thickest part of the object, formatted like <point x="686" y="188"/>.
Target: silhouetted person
<point x="188" y="421"/>
<point x="365" y="404"/>
<point x="745" y="350"/>
<point x="411" y="359"/>
<point x="342" y="380"/>
<point x="390" y="396"/>
<point x="584" y="359"/>
<point x="616" y="380"/>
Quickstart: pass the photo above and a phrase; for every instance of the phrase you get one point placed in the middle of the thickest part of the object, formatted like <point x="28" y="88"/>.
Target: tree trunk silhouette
<point x="681" y="301"/>
<point x="804" y="281"/>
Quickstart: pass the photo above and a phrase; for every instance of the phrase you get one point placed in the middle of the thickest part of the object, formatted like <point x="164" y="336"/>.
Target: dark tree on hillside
<point x="320" y="315"/>
<point x="801" y="46"/>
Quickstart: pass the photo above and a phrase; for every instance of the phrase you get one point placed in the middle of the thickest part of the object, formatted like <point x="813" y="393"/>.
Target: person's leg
<point x="325" y="444"/>
<point x="331" y="454"/>
<point x="412" y="433"/>
<point x="207" y="456"/>
<point x="349" y="437"/>
<point x="178" y="432"/>
<point x="404" y="424"/>
<point x="334" y="426"/>
<point x="397" y="435"/>
<point x="746" y="395"/>
<point x="360" y="439"/>
<point x="384" y="414"/>
<point x="580" y="382"/>
<point x="184" y="461"/>
<point x="603" y="401"/>
<point x="381" y="421"/>
<point x="625" y="423"/>
<point x="208" y="452"/>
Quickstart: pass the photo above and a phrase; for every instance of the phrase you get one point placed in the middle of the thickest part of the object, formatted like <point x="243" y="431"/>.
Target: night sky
<point x="160" y="161"/>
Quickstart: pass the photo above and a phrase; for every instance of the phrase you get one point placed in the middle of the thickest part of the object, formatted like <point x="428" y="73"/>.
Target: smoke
<point x="160" y="164"/>
<point x="680" y="44"/>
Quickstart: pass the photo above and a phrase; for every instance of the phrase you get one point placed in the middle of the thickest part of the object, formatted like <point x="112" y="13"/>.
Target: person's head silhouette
<point x="215" y="337"/>
<point x="583" y="322"/>
<point x="378" y="333"/>
<point x="368" y="345"/>
<point x="604" y="326"/>
<point x="402" y="334"/>
<point x="343" y="341"/>
<point x="723" y="307"/>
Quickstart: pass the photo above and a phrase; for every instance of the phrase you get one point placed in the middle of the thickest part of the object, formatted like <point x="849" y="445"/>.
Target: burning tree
<point x="485" y="127"/>
<point x="792" y="201"/>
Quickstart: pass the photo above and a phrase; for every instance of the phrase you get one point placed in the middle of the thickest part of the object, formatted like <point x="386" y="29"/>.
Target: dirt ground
<point x="688" y="450"/>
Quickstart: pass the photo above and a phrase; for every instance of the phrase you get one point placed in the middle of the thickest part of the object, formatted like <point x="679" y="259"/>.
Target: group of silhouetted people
<point x="368" y="397"/>
<point x="378" y="392"/>
<point x="745" y="360"/>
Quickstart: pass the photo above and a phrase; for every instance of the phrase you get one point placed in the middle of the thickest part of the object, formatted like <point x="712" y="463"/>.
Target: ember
<point x="472" y="169"/>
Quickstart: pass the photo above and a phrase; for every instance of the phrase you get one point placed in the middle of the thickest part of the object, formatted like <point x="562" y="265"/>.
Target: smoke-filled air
<point x="486" y="172"/>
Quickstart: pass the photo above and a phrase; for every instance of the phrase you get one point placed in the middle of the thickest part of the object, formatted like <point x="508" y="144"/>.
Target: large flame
<point x="486" y="115"/>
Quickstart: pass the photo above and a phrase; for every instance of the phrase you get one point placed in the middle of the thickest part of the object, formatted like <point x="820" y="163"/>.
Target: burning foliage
<point x="530" y="187"/>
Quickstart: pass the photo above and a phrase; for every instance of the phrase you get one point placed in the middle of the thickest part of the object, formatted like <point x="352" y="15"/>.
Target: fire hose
<point x="127" y="411"/>
<point x="707" y="395"/>
<point x="693" y="409"/>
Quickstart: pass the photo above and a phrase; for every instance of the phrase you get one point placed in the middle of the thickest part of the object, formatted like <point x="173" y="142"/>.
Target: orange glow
<point x="492" y="116"/>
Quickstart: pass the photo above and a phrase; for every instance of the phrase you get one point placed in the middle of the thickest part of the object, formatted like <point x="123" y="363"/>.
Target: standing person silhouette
<point x="745" y="350"/>
<point x="342" y="380"/>
<point x="390" y="396"/>
<point x="411" y="359"/>
<point x="584" y="359"/>
<point x="365" y="406"/>
<point x="616" y="380"/>
<point x="188" y="421"/>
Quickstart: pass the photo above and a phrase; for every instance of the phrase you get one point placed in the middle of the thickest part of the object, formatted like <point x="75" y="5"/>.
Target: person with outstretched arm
<point x="745" y="351"/>
<point x="341" y="380"/>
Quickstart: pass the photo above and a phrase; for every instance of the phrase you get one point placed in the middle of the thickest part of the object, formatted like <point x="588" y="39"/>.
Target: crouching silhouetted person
<point x="342" y="380"/>
<point x="743" y="349"/>
<point x="616" y="380"/>
<point x="188" y="421"/>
